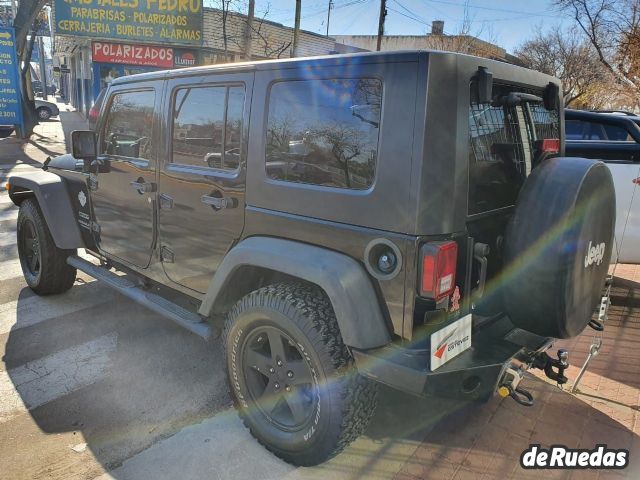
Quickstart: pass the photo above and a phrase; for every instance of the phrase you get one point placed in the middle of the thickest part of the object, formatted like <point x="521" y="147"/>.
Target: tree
<point x="241" y="35"/>
<point x="613" y="28"/>
<point x="24" y="24"/>
<point x="566" y="55"/>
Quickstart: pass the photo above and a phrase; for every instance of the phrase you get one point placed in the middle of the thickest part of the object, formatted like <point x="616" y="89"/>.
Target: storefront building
<point x="113" y="60"/>
<point x="99" y="40"/>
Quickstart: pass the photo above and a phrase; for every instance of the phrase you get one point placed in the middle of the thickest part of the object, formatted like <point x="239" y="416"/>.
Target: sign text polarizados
<point x="10" y="106"/>
<point x="132" y="54"/>
<point x="166" y="21"/>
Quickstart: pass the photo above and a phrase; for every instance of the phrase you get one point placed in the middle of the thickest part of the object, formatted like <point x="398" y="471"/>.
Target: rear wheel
<point x="292" y="378"/>
<point x="43" y="264"/>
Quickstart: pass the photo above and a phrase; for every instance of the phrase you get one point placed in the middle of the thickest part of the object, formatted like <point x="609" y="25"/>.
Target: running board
<point x="191" y="321"/>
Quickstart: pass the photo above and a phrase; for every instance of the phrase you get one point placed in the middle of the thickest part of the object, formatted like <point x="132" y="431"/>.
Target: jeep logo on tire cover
<point x="595" y="254"/>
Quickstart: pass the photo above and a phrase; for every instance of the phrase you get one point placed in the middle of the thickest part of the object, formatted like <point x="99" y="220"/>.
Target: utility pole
<point x="247" y="38"/>
<point x="43" y="73"/>
<point x="383" y="14"/>
<point x="329" y="15"/>
<point x="296" y="29"/>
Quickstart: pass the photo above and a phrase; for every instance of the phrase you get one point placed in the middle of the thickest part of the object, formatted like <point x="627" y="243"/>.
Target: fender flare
<point x="352" y="295"/>
<point x="53" y="199"/>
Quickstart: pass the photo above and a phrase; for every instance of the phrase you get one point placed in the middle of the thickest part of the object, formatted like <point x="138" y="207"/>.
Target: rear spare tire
<point x="558" y="246"/>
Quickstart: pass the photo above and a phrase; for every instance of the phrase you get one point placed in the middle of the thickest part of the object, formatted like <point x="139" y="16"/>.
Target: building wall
<point x="454" y="43"/>
<point x="268" y="39"/>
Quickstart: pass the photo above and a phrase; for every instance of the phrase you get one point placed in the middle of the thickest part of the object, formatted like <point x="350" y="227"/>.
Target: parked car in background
<point x="46" y="110"/>
<point x="614" y="138"/>
<point x="37" y="88"/>
<point x="5" y="130"/>
<point x="94" y="111"/>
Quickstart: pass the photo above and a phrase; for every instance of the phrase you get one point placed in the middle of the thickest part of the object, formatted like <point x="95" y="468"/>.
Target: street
<point x="94" y="386"/>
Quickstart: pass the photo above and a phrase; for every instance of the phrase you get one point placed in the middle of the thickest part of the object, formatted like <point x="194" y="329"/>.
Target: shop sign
<point x="184" y="58"/>
<point x="10" y="98"/>
<point x="147" y="55"/>
<point x="163" y="21"/>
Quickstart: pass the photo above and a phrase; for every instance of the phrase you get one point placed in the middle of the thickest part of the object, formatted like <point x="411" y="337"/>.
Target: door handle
<point x="218" y="203"/>
<point x="143" y="187"/>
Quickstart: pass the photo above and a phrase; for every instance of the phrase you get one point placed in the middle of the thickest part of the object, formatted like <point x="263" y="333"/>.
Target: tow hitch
<point x="546" y="363"/>
<point x="510" y="384"/>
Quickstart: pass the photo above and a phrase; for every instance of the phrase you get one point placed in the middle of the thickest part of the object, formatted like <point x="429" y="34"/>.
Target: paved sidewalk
<point x="50" y="138"/>
<point x="485" y="442"/>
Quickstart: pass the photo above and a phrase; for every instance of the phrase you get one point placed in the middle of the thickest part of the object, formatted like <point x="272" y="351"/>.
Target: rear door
<point x="202" y="181"/>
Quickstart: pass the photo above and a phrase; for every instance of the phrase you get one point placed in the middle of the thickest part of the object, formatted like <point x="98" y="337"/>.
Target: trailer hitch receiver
<point x="544" y="362"/>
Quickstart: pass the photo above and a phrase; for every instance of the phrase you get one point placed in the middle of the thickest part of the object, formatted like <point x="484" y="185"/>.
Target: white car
<point x="613" y="138"/>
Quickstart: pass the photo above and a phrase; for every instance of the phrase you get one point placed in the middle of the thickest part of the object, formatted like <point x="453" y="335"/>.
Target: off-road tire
<point x="54" y="274"/>
<point x="348" y="400"/>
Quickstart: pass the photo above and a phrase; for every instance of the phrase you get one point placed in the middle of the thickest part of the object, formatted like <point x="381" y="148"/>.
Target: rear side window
<point x="324" y="132"/>
<point x="504" y="143"/>
<point x="595" y="131"/>
<point x="207" y="126"/>
<point x="129" y="125"/>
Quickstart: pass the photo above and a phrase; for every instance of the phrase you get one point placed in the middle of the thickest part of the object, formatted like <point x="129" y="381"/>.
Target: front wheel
<point x="43" y="264"/>
<point x="44" y="113"/>
<point x="292" y="378"/>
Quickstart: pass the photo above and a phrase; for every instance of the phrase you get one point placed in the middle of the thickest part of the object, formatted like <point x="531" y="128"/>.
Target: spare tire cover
<point x="558" y="246"/>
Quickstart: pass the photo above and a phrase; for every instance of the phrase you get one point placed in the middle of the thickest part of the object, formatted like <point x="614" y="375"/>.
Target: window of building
<point x="129" y="125"/>
<point x="207" y="127"/>
<point x="324" y="132"/>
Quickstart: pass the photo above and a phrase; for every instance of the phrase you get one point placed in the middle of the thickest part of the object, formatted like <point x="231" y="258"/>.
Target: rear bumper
<point x="474" y="374"/>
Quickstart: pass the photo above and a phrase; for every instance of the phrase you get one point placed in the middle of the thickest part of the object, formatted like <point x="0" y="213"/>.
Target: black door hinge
<point x="93" y="182"/>
<point x="166" y="202"/>
<point x="166" y="255"/>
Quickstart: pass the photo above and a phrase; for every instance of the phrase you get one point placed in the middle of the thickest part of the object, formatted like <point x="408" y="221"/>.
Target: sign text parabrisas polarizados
<point x="173" y="21"/>
<point x="173" y="6"/>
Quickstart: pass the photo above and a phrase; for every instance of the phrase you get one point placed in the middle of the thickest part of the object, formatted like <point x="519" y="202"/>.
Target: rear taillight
<point x="438" y="269"/>
<point x="93" y="113"/>
<point x="550" y="145"/>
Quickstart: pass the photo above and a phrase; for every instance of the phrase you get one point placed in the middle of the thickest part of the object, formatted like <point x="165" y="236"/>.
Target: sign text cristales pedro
<point x="166" y="21"/>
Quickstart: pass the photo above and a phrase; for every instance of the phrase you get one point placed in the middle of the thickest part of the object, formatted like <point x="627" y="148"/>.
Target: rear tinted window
<point x="207" y="126"/>
<point x="503" y="148"/>
<point x="324" y="132"/>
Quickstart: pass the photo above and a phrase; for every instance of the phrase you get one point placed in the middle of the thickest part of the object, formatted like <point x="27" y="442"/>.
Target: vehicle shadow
<point x="92" y="367"/>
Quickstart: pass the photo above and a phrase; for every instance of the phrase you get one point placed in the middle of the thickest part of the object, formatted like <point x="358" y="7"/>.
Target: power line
<point x="494" y="9"/>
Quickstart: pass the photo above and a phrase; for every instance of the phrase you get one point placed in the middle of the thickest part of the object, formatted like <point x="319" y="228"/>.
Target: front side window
<point x="129" y="125"/>
<point x="207" y="127"/>
<point x="324" y="132"/>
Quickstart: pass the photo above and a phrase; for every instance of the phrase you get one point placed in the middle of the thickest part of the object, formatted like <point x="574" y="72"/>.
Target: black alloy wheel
<point x="278" y="378"/>
<point x="30" y="248"/>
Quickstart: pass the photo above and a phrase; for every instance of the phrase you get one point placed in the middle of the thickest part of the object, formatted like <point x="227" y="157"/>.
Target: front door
<point x="202" y="182"/>
<point x="122" y="190"/>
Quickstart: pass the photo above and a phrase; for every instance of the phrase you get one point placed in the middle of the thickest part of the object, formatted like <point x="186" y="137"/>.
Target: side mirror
<point x="84" y="145"/>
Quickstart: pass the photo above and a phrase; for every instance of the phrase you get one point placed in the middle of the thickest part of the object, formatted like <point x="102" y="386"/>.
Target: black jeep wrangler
<point x="403" y="218"/>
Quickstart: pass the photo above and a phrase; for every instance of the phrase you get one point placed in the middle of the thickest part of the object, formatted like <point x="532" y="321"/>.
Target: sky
<point x="507" y="23"/>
